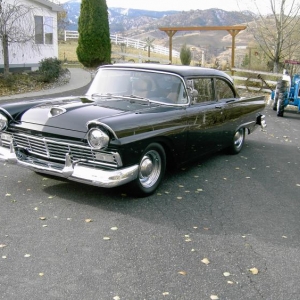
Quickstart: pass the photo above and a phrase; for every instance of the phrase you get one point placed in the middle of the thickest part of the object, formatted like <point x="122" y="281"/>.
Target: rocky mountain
<point x="125" y="20"/>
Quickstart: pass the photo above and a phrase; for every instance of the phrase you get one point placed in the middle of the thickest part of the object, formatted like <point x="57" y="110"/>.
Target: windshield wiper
<point x="107" y="95"/>
<point x="133" y="98"/>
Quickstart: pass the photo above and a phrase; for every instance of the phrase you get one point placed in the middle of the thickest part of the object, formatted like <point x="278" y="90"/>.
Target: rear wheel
<point x="237" y="141"/>
<point x="280" y="105"/>
<point x="152" y="168"/>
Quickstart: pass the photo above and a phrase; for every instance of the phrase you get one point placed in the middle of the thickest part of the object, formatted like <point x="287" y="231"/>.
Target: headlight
<point x="3" y="122"/>
<point x="97" y="139"/>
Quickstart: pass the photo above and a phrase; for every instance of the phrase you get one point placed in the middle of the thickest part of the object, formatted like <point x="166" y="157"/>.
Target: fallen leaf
<point x="254" y="271"/>
<point x="88" y="220"/>
<point x="205" y="261"/>
<point x="214" y="297"/>
<point x="182" y="273"/>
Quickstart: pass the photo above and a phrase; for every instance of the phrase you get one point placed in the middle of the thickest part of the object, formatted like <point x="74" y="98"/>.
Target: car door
<point x="205" y="117"/>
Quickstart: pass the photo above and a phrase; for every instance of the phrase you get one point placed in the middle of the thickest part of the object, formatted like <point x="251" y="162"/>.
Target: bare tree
<point x="15" y="28"/>
<point x="62" y="22"/>
<point x="277" y="34"/>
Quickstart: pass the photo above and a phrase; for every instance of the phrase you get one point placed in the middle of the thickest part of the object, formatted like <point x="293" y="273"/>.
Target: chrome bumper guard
<point x="261" y="121"/>
<point x="73" y="170"/>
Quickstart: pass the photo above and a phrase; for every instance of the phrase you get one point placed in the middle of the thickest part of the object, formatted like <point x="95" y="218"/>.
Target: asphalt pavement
<point x="226" y="227"/>
<point x="79" y="80"/>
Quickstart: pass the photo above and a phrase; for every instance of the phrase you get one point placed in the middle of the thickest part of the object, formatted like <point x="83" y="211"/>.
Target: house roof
<point x="50" y="4"/>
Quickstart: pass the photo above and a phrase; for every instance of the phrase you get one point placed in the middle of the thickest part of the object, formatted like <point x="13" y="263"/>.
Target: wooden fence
<point x="255" y="80"/>
<point x="118" y="40"/>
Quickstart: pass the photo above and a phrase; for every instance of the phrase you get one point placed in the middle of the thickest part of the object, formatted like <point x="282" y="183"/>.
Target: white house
<point x="41" y="24"/>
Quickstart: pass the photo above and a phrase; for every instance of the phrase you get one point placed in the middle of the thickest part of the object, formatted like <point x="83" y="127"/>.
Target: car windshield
<point x="137" y="85"/>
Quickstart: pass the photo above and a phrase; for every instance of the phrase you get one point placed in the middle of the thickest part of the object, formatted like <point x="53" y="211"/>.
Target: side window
<point x="223" y="90"/>
<point x="204" y="89"/>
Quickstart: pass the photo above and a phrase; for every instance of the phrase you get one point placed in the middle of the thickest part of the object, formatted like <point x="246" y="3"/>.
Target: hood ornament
<point x="56" y="111"/>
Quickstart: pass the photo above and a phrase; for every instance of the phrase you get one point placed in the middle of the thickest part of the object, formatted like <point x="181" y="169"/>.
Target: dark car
<point x="133" y="120"/>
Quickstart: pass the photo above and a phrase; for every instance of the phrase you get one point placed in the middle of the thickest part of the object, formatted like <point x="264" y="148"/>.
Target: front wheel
<point x="237" y="141"/>
<point x="152" y="168"/>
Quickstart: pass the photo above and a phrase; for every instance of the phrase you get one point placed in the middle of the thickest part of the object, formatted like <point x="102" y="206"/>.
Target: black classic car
<point x="134" y="121"/>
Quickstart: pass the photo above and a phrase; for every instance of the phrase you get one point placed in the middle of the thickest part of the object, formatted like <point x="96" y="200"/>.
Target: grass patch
<point x="67" y="53"/>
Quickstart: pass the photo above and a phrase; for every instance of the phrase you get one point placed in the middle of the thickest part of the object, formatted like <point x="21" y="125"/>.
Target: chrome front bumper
<point x="73" y="170"/>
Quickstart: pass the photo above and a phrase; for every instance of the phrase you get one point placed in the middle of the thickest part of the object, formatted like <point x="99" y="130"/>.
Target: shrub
<point x="9" y="80"/>
<point x="50" y="69"/>
<point x="185" y="55"/>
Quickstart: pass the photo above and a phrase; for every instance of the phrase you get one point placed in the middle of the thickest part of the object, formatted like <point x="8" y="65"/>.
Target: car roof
<point x="184" y="71"/>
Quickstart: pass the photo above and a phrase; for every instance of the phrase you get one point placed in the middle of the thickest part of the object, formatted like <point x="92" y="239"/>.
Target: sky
<point x="180" y="5"/>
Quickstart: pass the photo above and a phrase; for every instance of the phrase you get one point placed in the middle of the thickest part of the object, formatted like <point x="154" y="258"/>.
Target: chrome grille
<point x="57" y="150"/>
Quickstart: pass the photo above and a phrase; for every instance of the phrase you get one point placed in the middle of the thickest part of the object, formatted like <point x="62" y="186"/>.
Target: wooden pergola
<point x="233" y="30"/>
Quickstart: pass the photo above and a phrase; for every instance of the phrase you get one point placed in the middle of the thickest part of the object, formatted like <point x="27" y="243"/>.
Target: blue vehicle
<point x="287" y="92"/>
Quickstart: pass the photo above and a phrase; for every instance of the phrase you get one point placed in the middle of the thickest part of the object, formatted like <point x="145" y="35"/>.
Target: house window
<point x="43" y="30"/>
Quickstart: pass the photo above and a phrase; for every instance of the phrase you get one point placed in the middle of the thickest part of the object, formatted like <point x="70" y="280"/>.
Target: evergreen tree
<point x="94" y="47"/>
<point x="185" y="55"/>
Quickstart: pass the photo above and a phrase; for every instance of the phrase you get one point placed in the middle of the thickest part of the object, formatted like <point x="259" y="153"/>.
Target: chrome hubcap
<point x="238" y="138"/>
<point x="150" y="168"/>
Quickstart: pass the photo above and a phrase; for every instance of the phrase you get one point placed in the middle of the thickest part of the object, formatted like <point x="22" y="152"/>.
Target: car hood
<point x="75" y="115"/>
<point x="71" y="116"/>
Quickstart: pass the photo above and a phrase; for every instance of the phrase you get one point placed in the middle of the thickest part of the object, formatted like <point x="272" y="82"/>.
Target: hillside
<point x="142" y="24"/>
